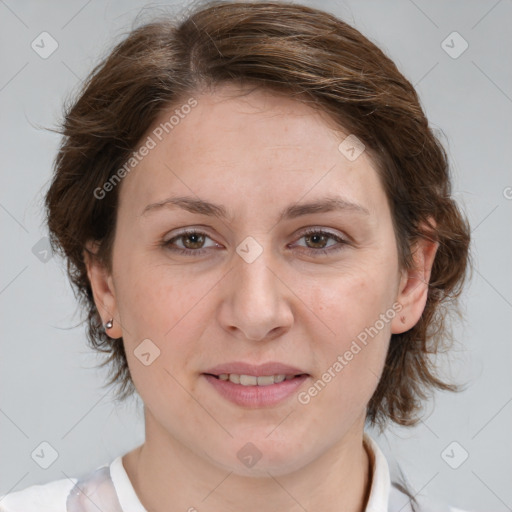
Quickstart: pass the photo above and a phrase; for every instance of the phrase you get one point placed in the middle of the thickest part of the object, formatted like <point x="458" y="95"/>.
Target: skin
<point x="254" y="154"/>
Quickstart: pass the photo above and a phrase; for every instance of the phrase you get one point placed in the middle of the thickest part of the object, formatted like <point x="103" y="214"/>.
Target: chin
<point x="259" y="458"/>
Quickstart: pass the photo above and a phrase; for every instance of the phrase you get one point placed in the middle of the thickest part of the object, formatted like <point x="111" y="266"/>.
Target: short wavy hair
<point x="309" y="55"/>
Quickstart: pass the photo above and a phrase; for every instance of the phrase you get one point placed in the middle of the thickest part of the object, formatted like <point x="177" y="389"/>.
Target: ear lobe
<point x="102" y="289"/>
<point x="413" y="288"/>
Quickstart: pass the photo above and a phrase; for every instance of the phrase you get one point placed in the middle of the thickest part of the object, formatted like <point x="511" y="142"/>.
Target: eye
<point x="317" y="241"/>
<point x="192" y="243"/>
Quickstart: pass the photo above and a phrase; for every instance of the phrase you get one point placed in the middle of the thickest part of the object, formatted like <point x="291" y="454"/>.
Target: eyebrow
<point x="200" y="206"/>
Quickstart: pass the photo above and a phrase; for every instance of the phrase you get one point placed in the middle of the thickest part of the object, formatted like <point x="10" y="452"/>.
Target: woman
<point x="257" y="218"/>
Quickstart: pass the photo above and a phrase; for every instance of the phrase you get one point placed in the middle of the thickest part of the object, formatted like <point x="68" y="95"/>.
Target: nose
<point x="256" y="303"/>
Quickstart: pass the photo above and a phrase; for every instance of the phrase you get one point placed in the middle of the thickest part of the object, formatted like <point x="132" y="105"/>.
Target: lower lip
<point x="256" y="396"/>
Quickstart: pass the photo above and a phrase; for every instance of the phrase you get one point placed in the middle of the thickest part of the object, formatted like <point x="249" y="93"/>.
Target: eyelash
<point x="308" y="232"/>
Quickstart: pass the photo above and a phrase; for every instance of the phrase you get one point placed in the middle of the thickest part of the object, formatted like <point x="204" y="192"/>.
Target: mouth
<point x="251" y="385"/>
<point x="253" y="380"/>
<point x="255" y="387"/>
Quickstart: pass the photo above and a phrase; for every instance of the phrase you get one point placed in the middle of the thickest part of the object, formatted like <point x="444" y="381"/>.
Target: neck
<point x="166" y="475"/>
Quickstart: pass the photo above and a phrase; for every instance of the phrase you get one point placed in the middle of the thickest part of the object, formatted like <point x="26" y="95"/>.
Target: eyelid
<point x="199" y="230"/>
<point x="323" y="230"/>
<point x="203" y="230"/>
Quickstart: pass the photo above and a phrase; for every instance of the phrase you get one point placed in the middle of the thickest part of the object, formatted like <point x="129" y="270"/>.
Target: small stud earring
<point x="109" y="324"/>
<point x="402" y="319"/>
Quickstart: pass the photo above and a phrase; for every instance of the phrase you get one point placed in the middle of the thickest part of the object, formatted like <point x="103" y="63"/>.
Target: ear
<point x="102" y="289"/>
<point x="413" y="287"/>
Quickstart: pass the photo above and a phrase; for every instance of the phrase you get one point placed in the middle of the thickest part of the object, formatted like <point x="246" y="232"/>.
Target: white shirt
<point x="108" y="488"/>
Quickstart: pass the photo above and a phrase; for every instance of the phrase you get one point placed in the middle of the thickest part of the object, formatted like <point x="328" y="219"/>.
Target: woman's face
<point x="300" y="287"/>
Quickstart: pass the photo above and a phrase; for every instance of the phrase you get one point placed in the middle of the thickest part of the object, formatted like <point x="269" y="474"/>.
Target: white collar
<point x="381" y="483"/>
<point x="126" y="495"/>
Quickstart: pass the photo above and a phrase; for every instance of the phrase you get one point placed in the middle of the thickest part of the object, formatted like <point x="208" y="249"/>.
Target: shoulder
<point x="94" y="491"/>
<point x="39" y="498"/>
<point x="393" y="493"/>
<point x="400" y="499"/>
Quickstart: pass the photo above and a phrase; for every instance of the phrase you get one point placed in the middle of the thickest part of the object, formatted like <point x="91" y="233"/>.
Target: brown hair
<point x="307" y="54"/>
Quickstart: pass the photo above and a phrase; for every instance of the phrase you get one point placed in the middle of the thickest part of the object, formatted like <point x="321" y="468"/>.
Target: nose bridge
<point x="257" y="302"/>
<point x="256" y="283"/>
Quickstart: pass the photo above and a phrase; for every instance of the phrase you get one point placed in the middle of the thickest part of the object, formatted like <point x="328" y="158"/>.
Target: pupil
<point x="316" y="239"/>
<point x="196" y="240"/>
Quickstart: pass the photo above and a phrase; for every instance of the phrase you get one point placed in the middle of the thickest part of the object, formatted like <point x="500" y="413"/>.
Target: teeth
<point x="234" y="378"/>
<point x="251" y="380"/>
<point x="246" y="380"/>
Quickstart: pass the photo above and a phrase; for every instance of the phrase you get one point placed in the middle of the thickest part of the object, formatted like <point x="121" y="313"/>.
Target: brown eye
<point x="190" y="243"/>
<point x="192" y="240"/>
<point x="318" y="242"/>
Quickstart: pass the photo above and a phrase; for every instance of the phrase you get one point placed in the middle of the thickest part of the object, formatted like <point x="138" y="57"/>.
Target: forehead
<point x="241" y="142"/>
<point x="237" y="122"/>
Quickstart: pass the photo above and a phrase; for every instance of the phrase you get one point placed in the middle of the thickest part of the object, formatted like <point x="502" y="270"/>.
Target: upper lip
<point x="241" y="368"/>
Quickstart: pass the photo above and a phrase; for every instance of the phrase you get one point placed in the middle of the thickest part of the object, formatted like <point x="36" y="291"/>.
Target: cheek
<point x="351" y="301"/>
<point x="357" y="308"/>
<point x="155" y="298"/>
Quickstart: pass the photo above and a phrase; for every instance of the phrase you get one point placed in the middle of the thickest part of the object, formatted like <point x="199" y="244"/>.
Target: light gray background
<point x="50" y="390"/>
